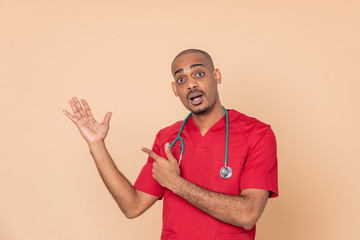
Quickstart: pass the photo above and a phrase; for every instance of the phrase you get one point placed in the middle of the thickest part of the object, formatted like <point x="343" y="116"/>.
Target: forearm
<point x="120" y="188"/>
<point x="235" y="210"/>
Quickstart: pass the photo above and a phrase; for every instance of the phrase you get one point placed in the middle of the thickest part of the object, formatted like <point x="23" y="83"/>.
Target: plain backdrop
<point x="291" y="64"/>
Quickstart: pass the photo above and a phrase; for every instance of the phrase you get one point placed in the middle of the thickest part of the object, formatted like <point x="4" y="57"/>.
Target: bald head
<point x="205" y="55"/>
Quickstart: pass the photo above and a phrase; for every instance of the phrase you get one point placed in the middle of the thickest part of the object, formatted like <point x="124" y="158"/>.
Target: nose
<point x="192" y="83"/>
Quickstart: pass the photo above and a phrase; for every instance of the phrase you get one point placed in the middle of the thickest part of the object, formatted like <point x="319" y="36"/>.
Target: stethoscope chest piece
<point x="225" y="172"/>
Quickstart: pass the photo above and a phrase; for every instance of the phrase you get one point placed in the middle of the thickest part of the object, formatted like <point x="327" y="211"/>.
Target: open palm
<point x="89" y="128"/>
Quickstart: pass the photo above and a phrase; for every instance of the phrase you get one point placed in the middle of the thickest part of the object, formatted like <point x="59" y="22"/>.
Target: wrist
<point x="96" y="144"/>
<point x="177" y="184"/>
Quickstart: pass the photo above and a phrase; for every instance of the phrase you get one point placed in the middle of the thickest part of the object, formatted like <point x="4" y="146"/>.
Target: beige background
<point x="291" y="64"/>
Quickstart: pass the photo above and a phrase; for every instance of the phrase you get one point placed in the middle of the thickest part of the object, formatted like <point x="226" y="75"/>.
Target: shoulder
<point x="169" y="132"/>
<point x="250" y="127"/>
<point x="246" y="122"/>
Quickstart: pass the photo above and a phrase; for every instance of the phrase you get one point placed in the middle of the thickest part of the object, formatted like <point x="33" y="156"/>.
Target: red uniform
<point x="251" y="155"/>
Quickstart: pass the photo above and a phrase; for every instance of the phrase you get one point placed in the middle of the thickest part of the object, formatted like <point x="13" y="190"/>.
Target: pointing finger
<point x="150" y="153"/>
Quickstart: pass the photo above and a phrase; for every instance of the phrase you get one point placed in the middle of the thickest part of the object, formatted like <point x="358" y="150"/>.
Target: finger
<point x="150" y="152"/>
<point x="69" y="115"/>
<point x="75" y="109"/>
<point x="79" y="106"/>
<point x="169" y="153"/>
<point x="87" y="108"/>
<point x="107" y="118"/>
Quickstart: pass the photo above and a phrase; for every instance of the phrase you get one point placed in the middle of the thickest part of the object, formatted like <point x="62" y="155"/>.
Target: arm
<point x="131" y="201"/>
<point x="242" y="211"/>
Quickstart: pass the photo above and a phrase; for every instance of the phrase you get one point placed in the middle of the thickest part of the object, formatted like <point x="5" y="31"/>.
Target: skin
<point x="191" y="72"/>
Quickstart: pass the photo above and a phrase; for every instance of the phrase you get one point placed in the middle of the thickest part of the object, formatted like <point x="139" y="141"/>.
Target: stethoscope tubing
<point x="182" y="142"/>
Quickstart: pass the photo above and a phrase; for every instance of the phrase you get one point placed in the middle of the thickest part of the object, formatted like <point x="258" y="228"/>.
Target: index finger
<point x="150" y="152"/>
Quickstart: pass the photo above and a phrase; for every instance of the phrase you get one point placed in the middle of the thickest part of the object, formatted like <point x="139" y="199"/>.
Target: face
<point x="196" y="82"/>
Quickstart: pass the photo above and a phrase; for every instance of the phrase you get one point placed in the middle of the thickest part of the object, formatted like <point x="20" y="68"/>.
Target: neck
<point x="206" y="120"/>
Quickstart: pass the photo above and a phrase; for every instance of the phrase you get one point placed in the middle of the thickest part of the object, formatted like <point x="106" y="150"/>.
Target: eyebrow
<point x="191" y="67"/>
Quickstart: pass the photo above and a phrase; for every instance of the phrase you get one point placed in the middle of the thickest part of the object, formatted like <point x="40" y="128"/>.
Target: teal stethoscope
<point x="225" y="171"/>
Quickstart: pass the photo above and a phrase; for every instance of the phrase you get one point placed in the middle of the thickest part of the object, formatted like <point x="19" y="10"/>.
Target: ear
<point x="217" y="75"/>
<point x="173" y="84"/>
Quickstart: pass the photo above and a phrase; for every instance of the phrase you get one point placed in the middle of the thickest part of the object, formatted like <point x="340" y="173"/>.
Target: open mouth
<point x="196" y="98"/>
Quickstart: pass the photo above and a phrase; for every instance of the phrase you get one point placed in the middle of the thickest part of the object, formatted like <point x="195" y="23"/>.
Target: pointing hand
<point x="165" y="171"/>
<point x="90" y="129"/>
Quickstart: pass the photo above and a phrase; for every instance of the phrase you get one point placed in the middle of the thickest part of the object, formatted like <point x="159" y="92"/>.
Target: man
<point x="201" y="200"/>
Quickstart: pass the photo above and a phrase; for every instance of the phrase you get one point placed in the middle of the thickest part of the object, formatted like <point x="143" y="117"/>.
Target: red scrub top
<point x="251" y="155"/>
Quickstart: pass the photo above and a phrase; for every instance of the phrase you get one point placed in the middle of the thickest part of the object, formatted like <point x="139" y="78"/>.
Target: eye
<point x="180" y="80"/>
<point x="200" y="74"/>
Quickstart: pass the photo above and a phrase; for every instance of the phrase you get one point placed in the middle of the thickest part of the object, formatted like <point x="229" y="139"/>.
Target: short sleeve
<point x="145" y="181"/>
<point x="260" y="168"/>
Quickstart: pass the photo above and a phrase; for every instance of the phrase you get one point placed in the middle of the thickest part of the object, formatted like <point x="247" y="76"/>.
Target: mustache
<point x="195" y="91"/>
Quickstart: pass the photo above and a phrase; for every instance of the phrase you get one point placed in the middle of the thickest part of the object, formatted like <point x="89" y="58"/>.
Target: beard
<point x="200" y="110"/>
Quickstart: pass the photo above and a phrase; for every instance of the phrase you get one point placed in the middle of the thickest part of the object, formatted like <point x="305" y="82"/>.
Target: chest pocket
<point x="229" y="185"/>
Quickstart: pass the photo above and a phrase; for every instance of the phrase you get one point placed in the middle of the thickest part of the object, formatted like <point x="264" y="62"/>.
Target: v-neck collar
<point x="199" y="141"/>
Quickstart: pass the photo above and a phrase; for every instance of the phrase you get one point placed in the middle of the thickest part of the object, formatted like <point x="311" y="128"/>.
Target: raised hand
<point x="90" y="129"/>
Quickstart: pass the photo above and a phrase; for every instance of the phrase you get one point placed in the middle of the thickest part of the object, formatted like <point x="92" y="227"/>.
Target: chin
<point x="199" y="110"/>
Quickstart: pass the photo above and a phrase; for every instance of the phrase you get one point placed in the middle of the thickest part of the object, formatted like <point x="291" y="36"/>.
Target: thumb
<point x="169" y="153"/>
<point x="107" y="118"/>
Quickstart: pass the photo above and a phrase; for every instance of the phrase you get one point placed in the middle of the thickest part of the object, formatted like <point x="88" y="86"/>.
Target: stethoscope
<point x="225" y="171"/>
